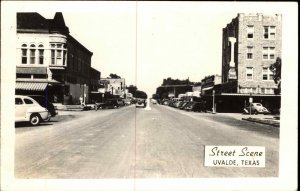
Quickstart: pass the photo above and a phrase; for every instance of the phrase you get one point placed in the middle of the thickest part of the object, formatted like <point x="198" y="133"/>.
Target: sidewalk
<point x="61" y="107"/>
<point x="273" y="120"/>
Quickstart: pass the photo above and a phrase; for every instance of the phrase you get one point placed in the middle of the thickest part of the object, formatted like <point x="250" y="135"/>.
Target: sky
<point x="145" y="42"/>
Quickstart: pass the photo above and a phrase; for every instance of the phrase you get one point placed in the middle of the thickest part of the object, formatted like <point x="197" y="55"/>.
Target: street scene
<point x="135" y="91"/>
<point x="130" y="142"/>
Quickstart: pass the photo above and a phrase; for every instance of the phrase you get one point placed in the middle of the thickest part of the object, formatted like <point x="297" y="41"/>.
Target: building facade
<point x="208" y="83"/>
<point x="114" y="86"/>
<point x="251" y="43"/>
<point x="51" y="62"/>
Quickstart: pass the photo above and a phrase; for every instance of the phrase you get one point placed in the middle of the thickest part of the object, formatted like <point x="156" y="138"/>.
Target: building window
<point x="250" y="31"/>
<point x="249" y="52"/>
<point x="58" y="54"/>
<point x="249" y="73"/>
<point x="41" y="54"/>
<point x="268" y="53"/>
<point x="52" y="56"/>
<point x="32" y="54"/>
<point x="267" y="74"/>
<point x="24" y="53"/>
<point x="269" y="32"/>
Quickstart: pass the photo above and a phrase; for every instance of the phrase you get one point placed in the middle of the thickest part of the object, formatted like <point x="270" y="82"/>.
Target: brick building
<point x="251" y="43"/>
<point x="51" y="62"/>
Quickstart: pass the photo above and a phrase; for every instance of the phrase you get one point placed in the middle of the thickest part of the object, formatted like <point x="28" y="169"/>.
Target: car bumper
<point x="45" y="115"/>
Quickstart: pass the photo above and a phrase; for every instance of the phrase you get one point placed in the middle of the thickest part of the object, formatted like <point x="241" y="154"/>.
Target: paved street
<point x="136" y="143"/>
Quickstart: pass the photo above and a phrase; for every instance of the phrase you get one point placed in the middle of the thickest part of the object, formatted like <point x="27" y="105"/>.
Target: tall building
<point x="51" y="62"/>
<point x="251" y="43"/>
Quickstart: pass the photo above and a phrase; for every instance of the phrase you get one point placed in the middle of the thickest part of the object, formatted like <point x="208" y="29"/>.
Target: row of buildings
<point x="51" y="62"/>
<point x="251" y="43"/>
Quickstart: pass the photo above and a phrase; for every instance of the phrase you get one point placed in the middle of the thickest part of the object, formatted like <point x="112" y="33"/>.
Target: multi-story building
<point x="51" y="62"/>
<point x="251" y="43"/>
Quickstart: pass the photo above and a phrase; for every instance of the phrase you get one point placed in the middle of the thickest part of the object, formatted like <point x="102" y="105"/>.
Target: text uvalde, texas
<point x="234" y="156"/>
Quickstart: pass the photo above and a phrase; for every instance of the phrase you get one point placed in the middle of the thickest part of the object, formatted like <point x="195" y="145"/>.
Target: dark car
<point x="141" y="103"/>
<point x="108" y="104"/>
<point x="45" y="103"/>
<point x="182" y="105"/>
<point x="196" y="106"/>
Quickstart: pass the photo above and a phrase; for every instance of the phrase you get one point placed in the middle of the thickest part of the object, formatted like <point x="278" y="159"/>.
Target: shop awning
<point x="33" y="86"/>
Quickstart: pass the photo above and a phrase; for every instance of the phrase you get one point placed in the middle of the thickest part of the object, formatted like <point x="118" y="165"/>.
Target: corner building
<point x="51" y="62"/>
<point x="251" y="43"/>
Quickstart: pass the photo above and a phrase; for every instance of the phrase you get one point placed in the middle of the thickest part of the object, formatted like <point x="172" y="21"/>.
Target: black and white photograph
<point x="136" y="95"/>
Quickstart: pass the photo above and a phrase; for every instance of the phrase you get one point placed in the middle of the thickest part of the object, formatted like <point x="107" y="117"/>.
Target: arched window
<point x="41" y="54"/>
<point x="32" y="54"/>
<point x="24" y="53"/>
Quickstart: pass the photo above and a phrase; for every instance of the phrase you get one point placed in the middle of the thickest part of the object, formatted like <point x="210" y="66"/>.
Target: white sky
<point x="145" y="42"/>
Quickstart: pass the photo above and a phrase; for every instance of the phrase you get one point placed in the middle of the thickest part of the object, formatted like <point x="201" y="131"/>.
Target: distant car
<point x="45" y="103"/>
<point x="29" y="110"/>
<point x="108" y="104"/>
<point x="256" y="108"/>
<point x="127" y="101"/>
<point x="140" y="103"/>
<point x="154" y="101"/>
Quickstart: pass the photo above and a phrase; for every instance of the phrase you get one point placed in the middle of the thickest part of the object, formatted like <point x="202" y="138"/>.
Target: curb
<point x="275" y="124"/>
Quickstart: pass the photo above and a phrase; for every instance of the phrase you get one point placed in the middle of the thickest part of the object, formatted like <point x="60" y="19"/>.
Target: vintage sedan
<point x="44" y="102"/>
<point x="256" y="108"/>
<point x="196" y="106"/>
<point x="29" y="110"/>
<point x="108" y="104"/>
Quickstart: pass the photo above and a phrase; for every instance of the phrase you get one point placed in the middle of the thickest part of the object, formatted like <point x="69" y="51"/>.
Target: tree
<point x="141" y="94"/>
<point x="132" y="89"/>
<point x="114" y="76"/>
<point x="276" y="69"/>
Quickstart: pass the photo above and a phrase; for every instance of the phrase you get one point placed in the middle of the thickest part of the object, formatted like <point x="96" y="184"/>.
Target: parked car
<point x="29" y="110"/>
<point x="188" y="104"/>
<point x="108" y="104"/>
<point x="140" y="103"/>
<point x="182" y="105"/>
<point x="256" y="108"/>
<point x="45" y="103"/>
<point x="196" y="106"/>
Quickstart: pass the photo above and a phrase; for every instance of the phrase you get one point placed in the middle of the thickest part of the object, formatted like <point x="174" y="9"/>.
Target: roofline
<point x="76" y="41"/>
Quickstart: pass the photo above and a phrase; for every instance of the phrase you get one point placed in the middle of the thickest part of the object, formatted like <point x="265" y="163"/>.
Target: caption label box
<point x="234" y="156"/>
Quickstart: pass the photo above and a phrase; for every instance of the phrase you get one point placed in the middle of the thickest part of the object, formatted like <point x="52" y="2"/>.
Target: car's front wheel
<point x="34" y="119"/>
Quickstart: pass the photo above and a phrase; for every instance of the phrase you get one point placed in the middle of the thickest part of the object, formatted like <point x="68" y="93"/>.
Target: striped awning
<point x="33" y="86"/>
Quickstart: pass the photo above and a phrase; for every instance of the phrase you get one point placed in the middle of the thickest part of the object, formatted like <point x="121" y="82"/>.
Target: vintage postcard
<point x="130" y="95"/>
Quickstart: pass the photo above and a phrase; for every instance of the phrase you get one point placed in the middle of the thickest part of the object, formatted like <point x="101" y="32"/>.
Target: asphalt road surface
<point x="136" y="143"/>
